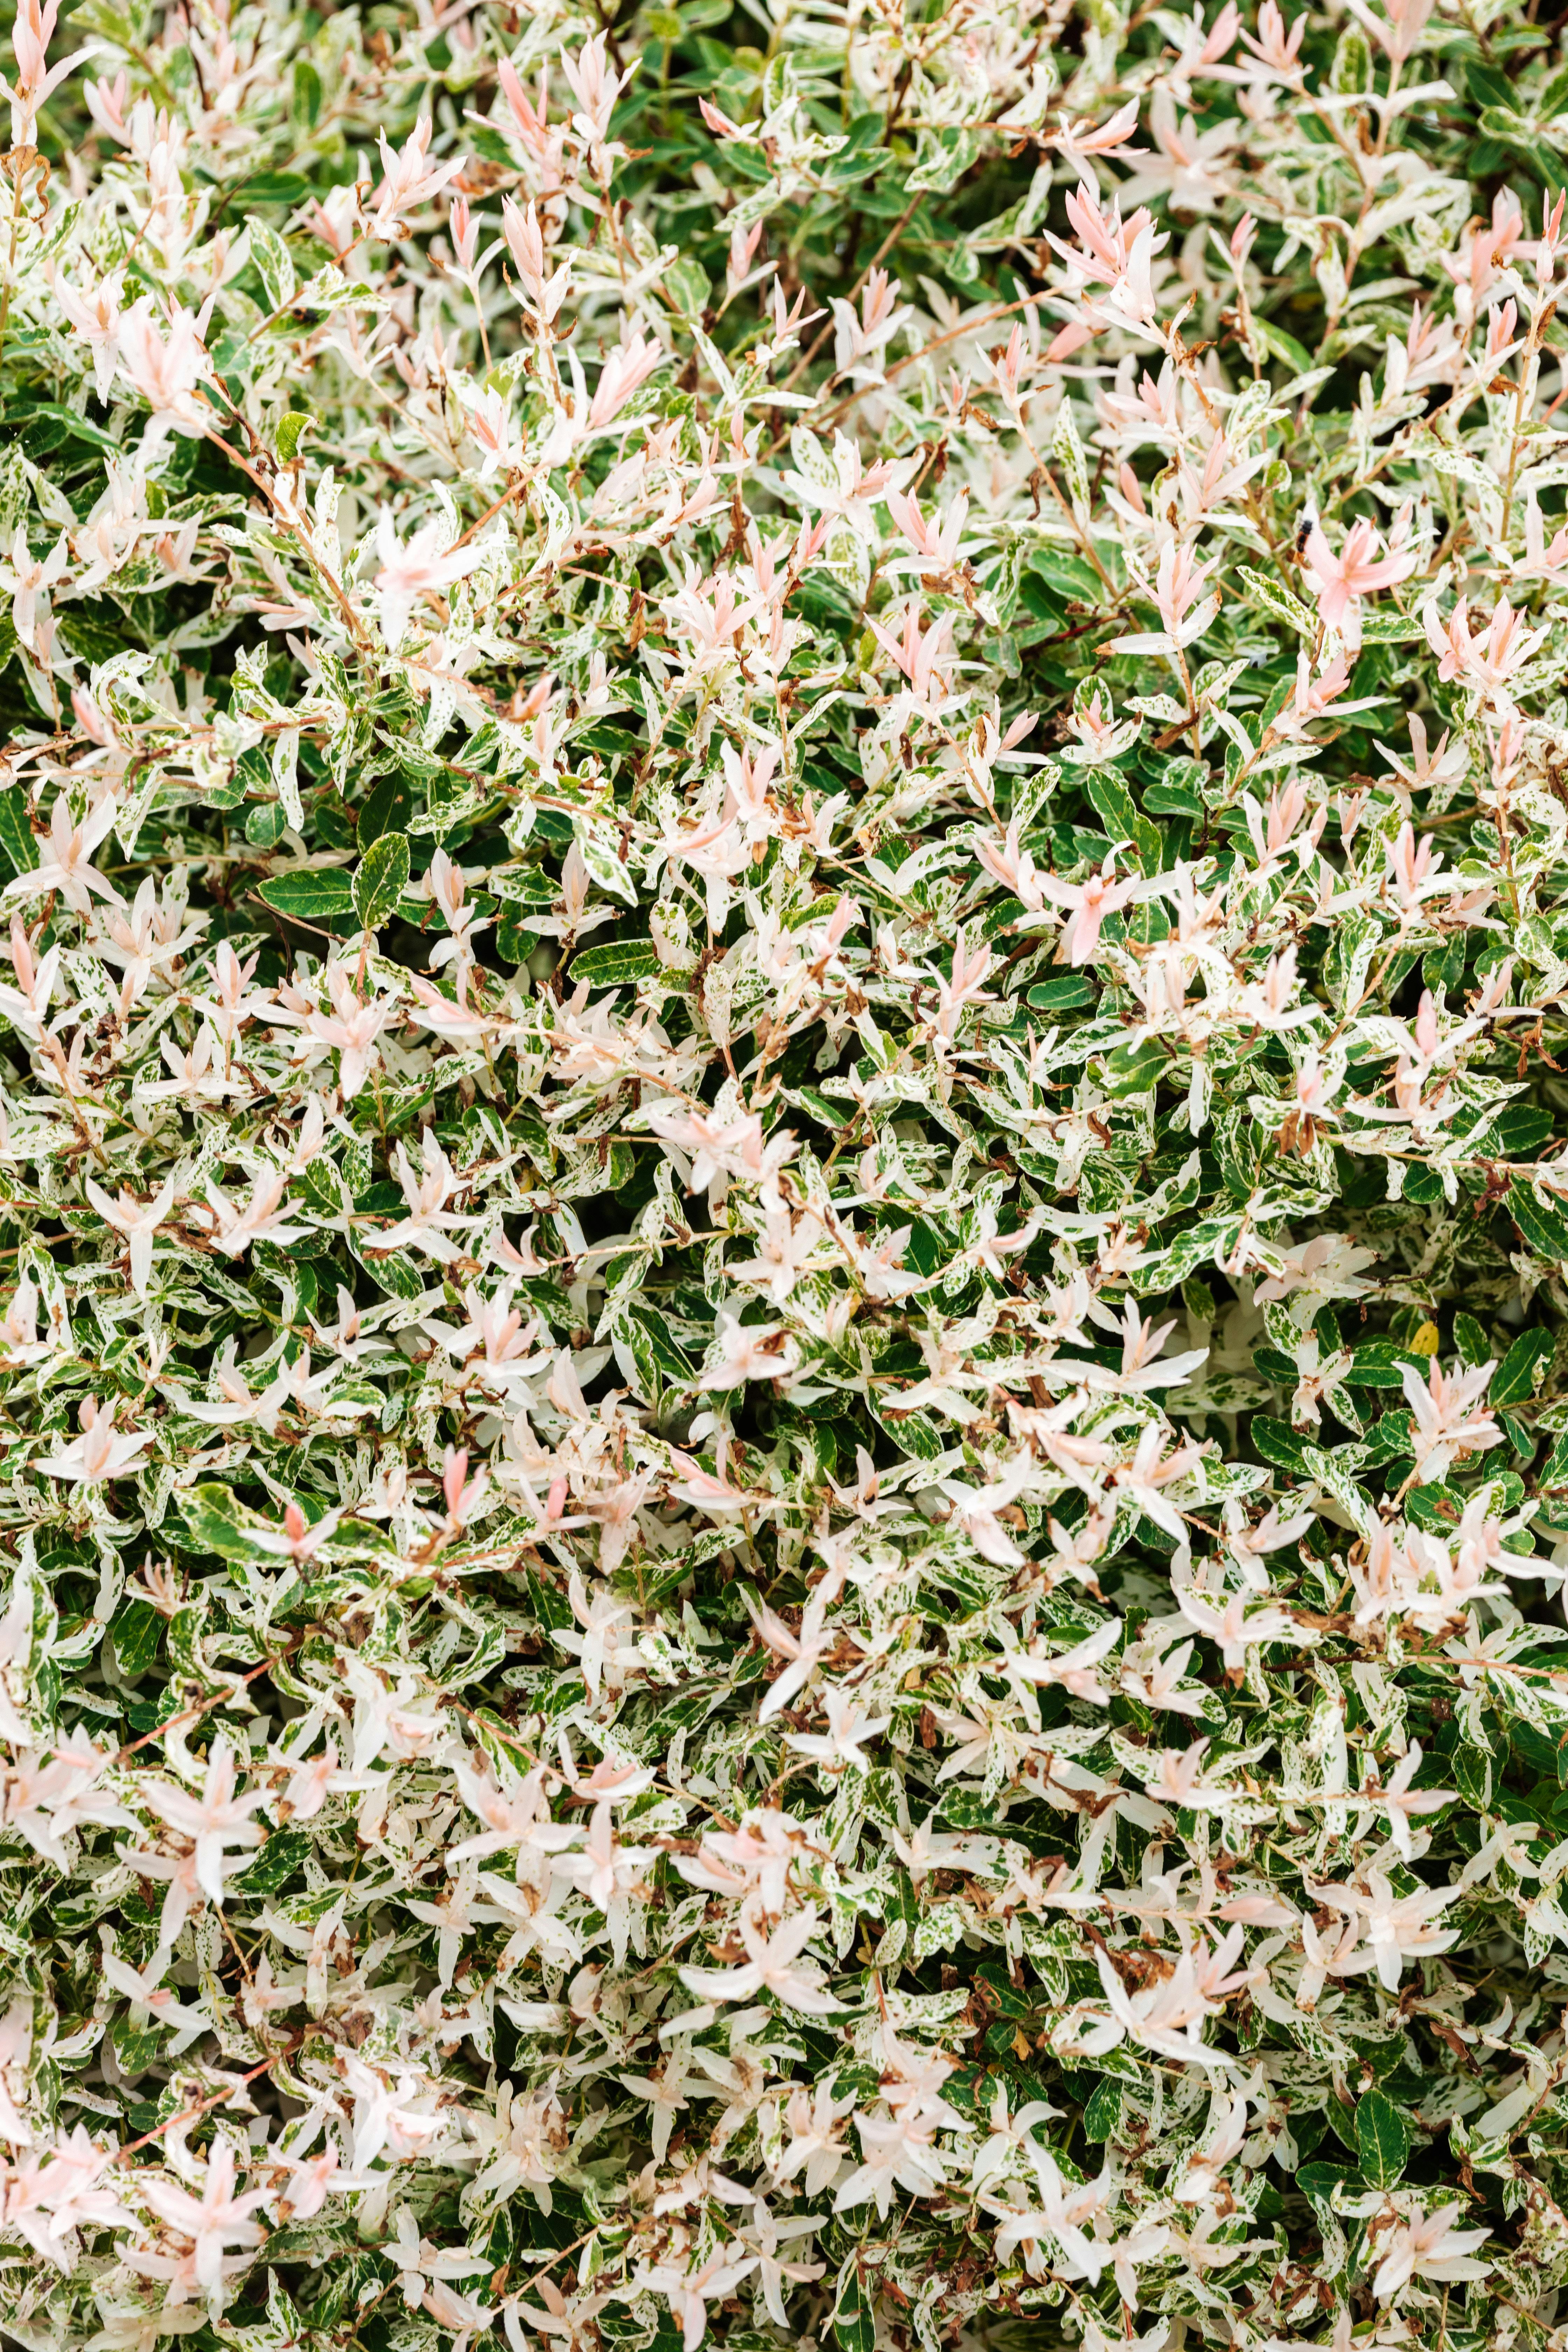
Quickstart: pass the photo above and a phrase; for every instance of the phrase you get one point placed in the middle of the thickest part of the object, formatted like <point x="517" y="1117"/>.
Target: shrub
<point x="786" y="1425"/>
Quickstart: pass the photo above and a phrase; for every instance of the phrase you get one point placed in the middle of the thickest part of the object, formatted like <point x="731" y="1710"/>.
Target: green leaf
<point x="913" y="1432"/>
<point x="1285" y="347"/>
<point x="274" y="263"/>
<point x="311" y="897"/>
<point x="854" y="2316"/>
<point x="1351" y="67"/>
<point x="388" y="805"/>
<point x="1172" y="799"/>
<point x="284" y="1851"/>
<point x="514" y="941"/>
<point x="1068" y="451"/>
<point x="941" y="158"/>
<point x="1473" y="1774"/>
<point x="1522" y="1129"/>
<point x="616" y="964"/>
<point x="1113" y="804"/>
<point x="218" y="1523"/>
<point x="393" y="1269"/>
<point x="1061" y="995"/>
<point x="610" y="742"/>
<point x="292" y="427"/>
<point x="1470" y="1341"/>
<point x="1434" y="1508"/>
<point x="686" y="283"/>
<point x="242" y="778"/>
<point x="15" y="832"/>
<point x="1545" y="1227"/>
<point x="666" y="1353"/>
<point x="267" y="822"/>
<point x="1104" y="2112"/>
<point x="306" y="102"/>
<point x="323" y="1187"/>
<point x="136" y="1631"/>
<point x="1382" y="2139"/>
<point x="135" y="2046"/>
<point x="1277" y="1442"/>
<point x="381" y="879"/>
<point x="550" y="1609"/>
<point x="1317" y="2181"/>
<point x="274" y="188"/>
<point x="1487" y="86"/>
<point x="1522" y="1369"/>
<point x="650" y="1375"/>
<point x="1555" y="1472"/>
<point x="80" y="427"/>
<point x="1389" y="1438"/>
<point x="1381" y="1364"/>
<point x="1275" y="596"/>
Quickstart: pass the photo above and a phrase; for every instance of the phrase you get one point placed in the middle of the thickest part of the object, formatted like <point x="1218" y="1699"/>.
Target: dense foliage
<point x="784" y="1239"/>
